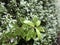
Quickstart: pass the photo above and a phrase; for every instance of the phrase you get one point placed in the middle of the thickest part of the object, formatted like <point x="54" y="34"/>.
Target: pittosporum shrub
<point x="27" y="22"/>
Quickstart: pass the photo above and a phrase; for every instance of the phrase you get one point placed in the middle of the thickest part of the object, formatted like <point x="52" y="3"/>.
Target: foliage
<point x="27" y="19"/>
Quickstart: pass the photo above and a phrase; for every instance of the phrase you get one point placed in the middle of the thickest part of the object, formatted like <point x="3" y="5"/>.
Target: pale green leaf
<point x="35" y="18"/>
<point x="41" y="29"/>
<point x="2" y="8"/>
<point x="30" y="34"/>
<point x="38" y="23"/>
<point x="29" y="23"/>
<point x="38" y="33"/>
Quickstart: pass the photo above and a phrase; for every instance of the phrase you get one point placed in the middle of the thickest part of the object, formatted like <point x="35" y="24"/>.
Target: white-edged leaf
<point x="29" y="23"/>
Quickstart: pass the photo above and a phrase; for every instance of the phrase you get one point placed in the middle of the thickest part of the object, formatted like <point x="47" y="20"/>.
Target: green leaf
<point x="38" y="33"/>
<point x="29" y="23"/>
<point x="28" y="36"/>
<point x="2" y="8"/>
<point x="35" y="18"/>
<point x="19" y="32"/>
<point x="41" y="29"/>
<point x="31" y="34"/>
<point x="38" y="23"/>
